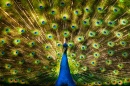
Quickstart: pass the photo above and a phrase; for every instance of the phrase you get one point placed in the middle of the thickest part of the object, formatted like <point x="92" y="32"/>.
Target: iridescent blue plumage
<point x="64" y="78"/>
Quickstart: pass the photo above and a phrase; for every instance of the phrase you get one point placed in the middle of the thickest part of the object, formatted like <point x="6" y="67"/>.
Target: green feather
<point x="32" y="34"/>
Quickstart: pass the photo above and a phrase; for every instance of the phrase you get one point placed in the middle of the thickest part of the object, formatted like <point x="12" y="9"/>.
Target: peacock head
<point x="65" y="47"/>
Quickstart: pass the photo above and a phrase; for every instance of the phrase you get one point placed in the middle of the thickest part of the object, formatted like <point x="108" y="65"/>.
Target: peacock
<point x="64" y="42"/>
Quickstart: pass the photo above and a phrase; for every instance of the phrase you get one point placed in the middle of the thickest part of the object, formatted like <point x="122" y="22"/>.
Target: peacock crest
<point x="32" y="34"/>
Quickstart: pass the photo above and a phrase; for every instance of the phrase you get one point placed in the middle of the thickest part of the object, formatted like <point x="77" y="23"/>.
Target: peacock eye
<point x="8" y="4"/>
<point x="22" y="31"/>
<point x="79" y="38"/>
<point x="97" y="22"/>
<point x="37" y="62"/>
<point x="76" y="12"/>
<point x="16" y="52"/>
<point x="82" y="56"/>
<point x="29" y="68"/>
<point x="41" y="7"/>
<point x="43" y="22"/>
<point x="92" y="62"/>
<point x="53" y="12"/>
<point x="17" y="40"/>
<point x="2" y="41"/>
<point x="33" y="53"/>
<point x="108" y="62"/>
<point x="73" y="27"/>
<point x="85" y="22"/>
<point x="54" y="26"/>
<point x="22" y="61"/>
<point x="101" y="68"/>
<point x="32" y="43"/>
<point x="15" y="71"/>
<point x="64" y="17"/>
<point x="95" y="45"/>
<point x="22" y="80"/>
<point x="58" y="44"/>
<point x="110" y="23"/>
<point x="35" y="32"/>
<point x="124" y="21"/>
<point x="115" y="10"/>
<point x="47" y="46"/>
<point x="125" y="54"/>
<point x="3" y="52"/>
<point x="99" y="9"/>
<point x="50" y="36"/>
<point x="87" y="9"/>
<point x="62" y="4"/>
<point x="6" y="29"/>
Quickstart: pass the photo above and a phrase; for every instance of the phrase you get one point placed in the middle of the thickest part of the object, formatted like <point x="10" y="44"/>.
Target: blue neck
<point x="64" y="78"/>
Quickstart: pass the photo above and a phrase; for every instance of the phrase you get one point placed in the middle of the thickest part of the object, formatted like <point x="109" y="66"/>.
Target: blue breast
<point x="64" y="78"/>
